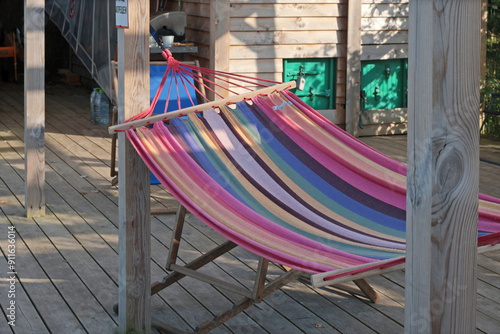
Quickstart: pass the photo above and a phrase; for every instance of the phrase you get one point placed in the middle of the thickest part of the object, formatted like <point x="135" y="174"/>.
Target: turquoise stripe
<point x="236" y="185"/>
<point x="305" y="185"/>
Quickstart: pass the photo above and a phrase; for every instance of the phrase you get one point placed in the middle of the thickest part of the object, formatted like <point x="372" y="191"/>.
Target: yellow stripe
<point x="297" y="189"/>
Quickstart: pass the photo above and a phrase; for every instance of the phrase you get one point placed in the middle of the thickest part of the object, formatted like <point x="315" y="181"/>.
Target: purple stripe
<point x="245" y="212"/>
<point x="285" y="187"/>
<point x="323" y="172"/>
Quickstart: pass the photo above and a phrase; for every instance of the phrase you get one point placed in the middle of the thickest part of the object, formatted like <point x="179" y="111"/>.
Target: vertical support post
<point x="134" y="273"/>
<point x="353" y="70"/>
<point x="443" y="165"/>
<point x="219" y="42"/>
<point x="34" y="107"/>
<point x="484" y="33"/>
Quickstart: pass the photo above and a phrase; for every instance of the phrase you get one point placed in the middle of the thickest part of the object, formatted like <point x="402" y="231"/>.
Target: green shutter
<point x="384" y="83"/>
<point x="319" y="89"/>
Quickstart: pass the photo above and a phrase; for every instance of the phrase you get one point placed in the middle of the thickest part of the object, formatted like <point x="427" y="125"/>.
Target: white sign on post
<point x="122" y="13"/>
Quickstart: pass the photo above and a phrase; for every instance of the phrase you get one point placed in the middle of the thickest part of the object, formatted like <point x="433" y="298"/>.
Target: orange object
<point x="10" y="52"/>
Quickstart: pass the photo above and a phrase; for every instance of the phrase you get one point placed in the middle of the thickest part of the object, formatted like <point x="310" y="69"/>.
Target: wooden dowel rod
<point x="201" y="107"/>
<point x="317" y="279"/>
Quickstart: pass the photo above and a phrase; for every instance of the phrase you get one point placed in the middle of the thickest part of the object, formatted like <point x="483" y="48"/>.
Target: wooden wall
<point x="264" y="32"/>
<point x="198" y="29"/>
<point x="384" y="29"/>
<point x="384" y="35"/>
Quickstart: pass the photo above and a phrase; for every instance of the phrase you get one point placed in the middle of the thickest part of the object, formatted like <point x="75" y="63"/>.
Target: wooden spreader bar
<point x="205" y="106"/>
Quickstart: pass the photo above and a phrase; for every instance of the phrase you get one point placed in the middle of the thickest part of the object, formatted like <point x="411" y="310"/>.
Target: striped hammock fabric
<point x="277" y="178"/>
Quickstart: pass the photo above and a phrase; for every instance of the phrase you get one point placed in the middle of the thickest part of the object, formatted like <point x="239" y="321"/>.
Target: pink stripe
<point x="485" y="219"/>
<point x="243" y="241"/>
<point x="346" y="138"/>
<point x="230" y="203"/>
<point x="365" y="184"/>
<point x="338" y="151"/>
<point x="336" y="255"/>
<point x="252" y="168"/>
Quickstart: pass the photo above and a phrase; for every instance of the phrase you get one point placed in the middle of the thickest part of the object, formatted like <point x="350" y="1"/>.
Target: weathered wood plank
<point x="25" y="316"/>
<point x="69" y="251"/>
<point x="443" y="166"/>
<point x="198" y="23"/>
<point x="262" y="75"/>
<point x="134" y="204"/>
<point x="384" y="116"/>
<point x="384" y="37"/>
<point x="197" y="9"/>
<point x="40" y="288"/>
<point x="287" y="10"/>
<point x="219" y="43"/>
<point x="288" y="24"/>
<point x="384" y="10"/>
<point x="287" y="1"/>
<point x="383" y="129"/>
<point x="198" y="36"/>
<point x="286" y="37"/>
<point x="353" y="68"/>
<point x="34" y="106"/>
<point x="384" y="1"/>
<point x="385" y="51"/>
<point x="382" y="23"/>
<point x="286" y="51"/>
<point x="484" y="38"/>
<point x="256" y="65"/>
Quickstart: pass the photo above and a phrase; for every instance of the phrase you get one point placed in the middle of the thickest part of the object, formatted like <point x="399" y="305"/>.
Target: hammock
<point x="275" y="177"/>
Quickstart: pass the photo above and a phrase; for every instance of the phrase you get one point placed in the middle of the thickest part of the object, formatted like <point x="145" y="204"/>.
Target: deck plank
<point x="54" y="262"/>
<point x="42" y="289"/>
<point x="27" y="318"/>
<point x="80" y="241"/>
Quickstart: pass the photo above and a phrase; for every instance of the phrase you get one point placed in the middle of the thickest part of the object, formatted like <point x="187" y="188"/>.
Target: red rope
<point x="182" y="73"/>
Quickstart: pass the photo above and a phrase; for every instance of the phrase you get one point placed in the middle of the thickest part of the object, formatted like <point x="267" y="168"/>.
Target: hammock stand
<point x="355" y="273"/>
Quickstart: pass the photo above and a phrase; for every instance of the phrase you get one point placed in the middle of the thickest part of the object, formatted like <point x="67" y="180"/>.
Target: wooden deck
<point x="67" y="261"/>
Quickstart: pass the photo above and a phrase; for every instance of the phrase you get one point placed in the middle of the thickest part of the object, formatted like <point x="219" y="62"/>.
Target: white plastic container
<point x="168" y="41"/>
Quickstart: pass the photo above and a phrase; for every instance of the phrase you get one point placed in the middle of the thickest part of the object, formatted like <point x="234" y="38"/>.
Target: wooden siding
<point x="198" y="28"/>
<point x="384" y="29"/>
<point x="263" y="34"/>
<point x="384" y="35"/>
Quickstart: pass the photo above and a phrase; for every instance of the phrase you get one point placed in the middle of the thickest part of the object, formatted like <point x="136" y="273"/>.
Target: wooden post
<point x="484" y="33"/>
<point x="353" y="70"/>
<point x="34" y="107"/>
<point x="443" y="165"/>
<point x="219" y="41"/>
<point x="133" y="176"/>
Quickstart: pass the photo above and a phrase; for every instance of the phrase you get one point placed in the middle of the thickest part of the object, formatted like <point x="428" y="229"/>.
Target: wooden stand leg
<point x="195" y="264"/>
<point x="367" y="290"/>
<point x="114" y="137"/>
<point x="245" y="303"/>
<point x="176" y="235"/>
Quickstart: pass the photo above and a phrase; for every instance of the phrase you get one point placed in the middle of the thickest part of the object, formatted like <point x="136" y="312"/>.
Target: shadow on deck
<point x="67" y="262"/>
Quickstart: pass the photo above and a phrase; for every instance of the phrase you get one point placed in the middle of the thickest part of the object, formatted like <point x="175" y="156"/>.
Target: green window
<point x="319" y="75"/>
<point x="384" y="83"/>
